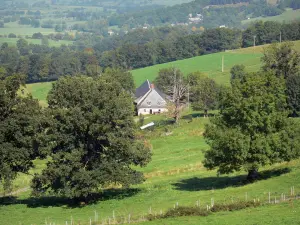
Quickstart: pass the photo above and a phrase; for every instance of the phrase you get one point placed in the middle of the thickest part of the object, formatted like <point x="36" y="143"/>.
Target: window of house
<point x="149" y="103"/>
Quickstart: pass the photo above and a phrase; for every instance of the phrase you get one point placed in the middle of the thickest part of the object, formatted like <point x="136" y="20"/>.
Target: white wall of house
<point x="146" y="111"/>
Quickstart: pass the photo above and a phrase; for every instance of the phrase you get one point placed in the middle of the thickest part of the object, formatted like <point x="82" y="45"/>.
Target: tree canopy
<point x="204" y="91"/>
<point x="19" y="130"/>
<point x="92" y="138"/>
<point x="253" y="128"/>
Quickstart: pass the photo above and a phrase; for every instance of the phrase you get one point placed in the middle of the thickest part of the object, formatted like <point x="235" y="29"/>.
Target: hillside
<point x="209" y="64"/>
<point x="287" y="16"/>
<point x="175" y="174"/>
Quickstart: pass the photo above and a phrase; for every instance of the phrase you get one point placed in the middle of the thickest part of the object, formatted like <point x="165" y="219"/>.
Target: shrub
<point x="11" y="35"/>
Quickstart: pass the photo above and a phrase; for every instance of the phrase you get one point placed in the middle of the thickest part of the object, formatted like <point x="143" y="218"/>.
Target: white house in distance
<point x="149" y="100"/>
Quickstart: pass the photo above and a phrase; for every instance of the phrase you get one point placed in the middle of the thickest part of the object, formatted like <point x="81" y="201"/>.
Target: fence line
<point x="132" y="218"/>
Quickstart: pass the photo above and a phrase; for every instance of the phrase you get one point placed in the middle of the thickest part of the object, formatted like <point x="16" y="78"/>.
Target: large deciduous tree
<point x="204" y="92"/>
<point x="253" y="128"/>
<point x="92" y="136"/>
<point x="282" y="59"/>
<point x="293" y="94"/>
<point x="19" y="130"/>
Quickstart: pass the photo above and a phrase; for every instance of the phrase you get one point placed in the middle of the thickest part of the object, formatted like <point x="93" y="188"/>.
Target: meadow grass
<point x="40" y="91"/>
<point x="23" y="30"/>
<point x="175" y="174"/>
<point x="287" y="16"/>
<point x="210" y="64"/>
<point x="281" y="214"/>
<point x="52" y="43"/>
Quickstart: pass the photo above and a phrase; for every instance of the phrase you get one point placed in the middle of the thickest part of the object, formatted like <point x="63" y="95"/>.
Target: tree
<point x="282" y="59"/>
<point x="203" y="92"/>
<point x="92" y="143"/>
<point x="172" y="83"/>
<point x="22" y="46"/>
<point x="253" y="128"/>
<point x="237" y="72"/>
<point x="19" y="130"/>
<point x="11" y="35"/>
<point x="45" y="41"/>
<point x="293" y="94"/>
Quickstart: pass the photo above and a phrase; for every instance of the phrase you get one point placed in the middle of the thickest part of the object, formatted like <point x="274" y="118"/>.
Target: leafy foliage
<point x="252" y="129"/>
<point x="92" y="137"/>
<point x="19" y="130"/>
<point x="282" y="59"/>
<point x="204" y="91"/>
<point x="293" y="93"/>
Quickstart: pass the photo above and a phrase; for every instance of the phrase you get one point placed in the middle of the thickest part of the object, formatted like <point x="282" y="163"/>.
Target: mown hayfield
<point x="175" y="174"/>
<point x="287" y="16"/>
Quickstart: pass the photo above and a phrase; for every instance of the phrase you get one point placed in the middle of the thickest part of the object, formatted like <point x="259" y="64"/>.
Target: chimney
<point x="152" y="86"/>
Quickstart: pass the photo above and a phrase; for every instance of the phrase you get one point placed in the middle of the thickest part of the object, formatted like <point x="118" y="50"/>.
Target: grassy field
<point x="284" y="214"/>
<point x="52" y="43"/>
<point x="209" y="64"/>
<point x="175" y="174"/>
<point x="15" y="28"/>
<point x="287" y="16"/>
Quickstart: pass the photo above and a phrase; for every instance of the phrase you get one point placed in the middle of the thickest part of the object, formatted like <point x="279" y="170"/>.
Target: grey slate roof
<point x="143" y="89"/>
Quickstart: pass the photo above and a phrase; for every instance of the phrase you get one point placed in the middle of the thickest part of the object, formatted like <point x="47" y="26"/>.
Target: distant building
<point x="149" y="100"/>
<point x="197" y="19"/>
<point x="110" y="32"/>
<point x="222" y="26"/>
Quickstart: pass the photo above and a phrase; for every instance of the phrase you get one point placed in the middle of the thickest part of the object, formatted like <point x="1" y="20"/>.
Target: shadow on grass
<point x="196" y="115"/>
<point x="52" y="201"/>
<point x="208" y="183"/>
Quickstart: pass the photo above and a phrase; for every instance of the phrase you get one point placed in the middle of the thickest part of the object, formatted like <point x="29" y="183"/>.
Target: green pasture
<point x="23" y="30"/>
<point x="175" y="174"/>
<point x="210" y="64"/>
<point x="287" y="16"/>
<point x="40" y="91"/>
<point x="283" y="214"/>
<point x="52" y="43"/>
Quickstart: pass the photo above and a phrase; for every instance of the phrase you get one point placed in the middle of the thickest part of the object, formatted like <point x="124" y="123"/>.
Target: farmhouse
<point x="149" y="100"/>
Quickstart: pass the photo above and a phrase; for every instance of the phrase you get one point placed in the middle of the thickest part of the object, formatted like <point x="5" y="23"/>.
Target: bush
<point x="11" y="35"/>
<point x="234" y="206"/>
<point x="196" y="211"/>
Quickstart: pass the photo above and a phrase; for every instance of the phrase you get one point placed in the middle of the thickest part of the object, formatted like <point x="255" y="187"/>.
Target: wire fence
<point x="270" y="198"/>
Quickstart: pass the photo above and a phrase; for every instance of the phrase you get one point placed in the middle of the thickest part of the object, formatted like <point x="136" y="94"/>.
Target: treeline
<point x="231" y="16"/>
<point x="294" y="4"/>
<point x="136" y="50"/>
<point x="130" y="55"/>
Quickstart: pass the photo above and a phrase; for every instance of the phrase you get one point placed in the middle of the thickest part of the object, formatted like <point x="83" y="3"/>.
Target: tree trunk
<point x="252" y="175"/>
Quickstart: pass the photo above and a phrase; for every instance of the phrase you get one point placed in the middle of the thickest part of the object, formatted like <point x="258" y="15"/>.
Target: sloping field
<point x="210" y="64"/>
<point x="288" y="16"/>
<point x="284" y="214"/>
<point x="175" y="174"/>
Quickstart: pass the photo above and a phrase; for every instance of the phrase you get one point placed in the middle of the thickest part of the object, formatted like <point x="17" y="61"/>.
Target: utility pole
<point x="222" y="63"/>
<point x="280" y="37"/>
<point x="188" y="95"/>
<point x="254" y="37"/>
